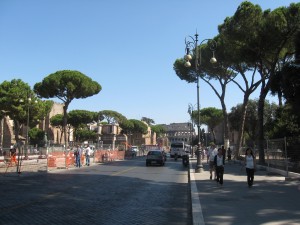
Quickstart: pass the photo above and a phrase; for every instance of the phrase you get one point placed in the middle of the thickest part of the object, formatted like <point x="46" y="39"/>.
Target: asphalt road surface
<point x="121" y="192"/>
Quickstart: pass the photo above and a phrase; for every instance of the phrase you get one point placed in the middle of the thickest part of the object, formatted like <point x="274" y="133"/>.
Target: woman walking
<point x="219" y="162"/>
<point x="250" y="166"/>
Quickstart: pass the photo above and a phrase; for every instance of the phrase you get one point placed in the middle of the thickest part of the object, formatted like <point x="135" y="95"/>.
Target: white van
<point x="134" y="149"/>
<point x="177" y="148"/>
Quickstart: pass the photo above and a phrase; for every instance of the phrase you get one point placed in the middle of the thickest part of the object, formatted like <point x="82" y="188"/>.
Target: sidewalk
<point x="271" y="200"/>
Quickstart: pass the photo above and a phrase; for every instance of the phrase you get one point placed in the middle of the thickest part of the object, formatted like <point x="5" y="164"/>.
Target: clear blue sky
<point x="127" y="46"/>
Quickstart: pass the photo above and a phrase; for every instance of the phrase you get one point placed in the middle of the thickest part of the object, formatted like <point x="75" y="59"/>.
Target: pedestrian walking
<point x="250" y="166"/>
<point x="212" y="152"/>
<point x="77" y="154"/>
<point x="223" y="151"/>
<point x="203" y="153"/>
<point x="229" y="154"/>
<point x="207" y="154"/>
<point x="87" y="155"/>
<point x="219" y="162"/>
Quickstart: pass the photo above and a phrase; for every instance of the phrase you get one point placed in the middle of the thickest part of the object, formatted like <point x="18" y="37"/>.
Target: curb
<point x="195" y="201"/>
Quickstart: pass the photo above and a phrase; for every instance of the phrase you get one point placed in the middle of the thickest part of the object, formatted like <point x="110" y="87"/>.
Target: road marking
<point x="122" y="171"/>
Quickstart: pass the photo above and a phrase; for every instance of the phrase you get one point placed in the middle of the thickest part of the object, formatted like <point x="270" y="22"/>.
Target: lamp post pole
<point x="1" y="138"/>
<point x="206" y="139"/>
<point x="28" y="103"/>
<point x="192" y="43"/>
<point x="27" y="127"/>
<point x="190" y="111"/>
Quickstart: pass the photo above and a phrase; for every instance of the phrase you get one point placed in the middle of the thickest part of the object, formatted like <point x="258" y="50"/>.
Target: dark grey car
<point x="155" y="157"/>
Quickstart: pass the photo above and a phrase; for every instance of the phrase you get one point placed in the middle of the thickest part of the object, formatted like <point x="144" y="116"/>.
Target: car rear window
<point x="154" y="153"/>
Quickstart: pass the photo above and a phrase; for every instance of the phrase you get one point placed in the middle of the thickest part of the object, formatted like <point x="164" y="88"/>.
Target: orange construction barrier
<point x="13" y="159"/>
<point x="51" y="161"/>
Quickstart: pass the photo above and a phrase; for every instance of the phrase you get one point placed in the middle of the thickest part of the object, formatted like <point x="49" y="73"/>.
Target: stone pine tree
<point x="147" y="120"/>
<point x="287" y="81"/>
<point x="253" y="41"/>
<point x="67" y="85"/>
<point x="79" y="120"/>
<point x="265" y="40"/>
<point x="159" y="129"/>
<point x="21" y="104"/>
<point x="11" y="92"/>
<point x="212" y="117"/>
<point x="134" y="126"/>
<point x="111" y="116"/>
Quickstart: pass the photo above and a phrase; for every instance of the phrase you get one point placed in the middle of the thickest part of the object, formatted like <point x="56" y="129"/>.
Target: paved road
<point x="124" y="192"/>
<point x="271" y="201"/>
<point x="43" y="199"/>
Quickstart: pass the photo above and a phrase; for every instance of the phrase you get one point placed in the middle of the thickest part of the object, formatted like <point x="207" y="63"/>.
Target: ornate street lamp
<point x="28" y="105"/>
<point x="192" y="43"/>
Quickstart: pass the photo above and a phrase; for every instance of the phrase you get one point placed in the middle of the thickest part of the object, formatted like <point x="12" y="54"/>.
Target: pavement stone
<point x="272" y="200"/>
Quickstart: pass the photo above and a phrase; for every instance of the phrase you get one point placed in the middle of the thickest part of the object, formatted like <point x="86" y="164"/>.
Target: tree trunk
<point x="19" y="146"/>
<point x="265" y="87"/>
<point x="242" y="125"/>
<point x="226" y="125"/>
<point x="224" y="110"/>
<point x="65" y="122"/>
<point x="61" y="135"/>
<point x="214" y="135"/>
<point x="260" y="112"/>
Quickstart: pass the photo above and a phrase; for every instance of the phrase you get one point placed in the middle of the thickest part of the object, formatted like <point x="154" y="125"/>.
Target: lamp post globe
<point x="187" y="64"/>
<point x="188" y="57"/>
<point x="213" y="60"/>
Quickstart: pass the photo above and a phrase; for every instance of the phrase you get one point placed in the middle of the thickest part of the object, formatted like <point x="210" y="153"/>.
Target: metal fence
<point x="276" y="154"/>
<point x="284" y="154"/>
<point x="281" y="153"/>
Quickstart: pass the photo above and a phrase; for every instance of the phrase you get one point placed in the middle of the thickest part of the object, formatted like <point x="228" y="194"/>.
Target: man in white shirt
<point x="87" y="155"/>
<point x="211" y="155"/>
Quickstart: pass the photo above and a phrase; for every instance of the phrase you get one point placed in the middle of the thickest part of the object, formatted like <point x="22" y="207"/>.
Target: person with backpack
<point x="219" y="162"/>
<point x="250" y="166"/>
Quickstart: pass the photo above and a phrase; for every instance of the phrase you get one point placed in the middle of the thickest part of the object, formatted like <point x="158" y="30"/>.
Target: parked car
<point x="134" y="150"/>
<point x="155" y="157"/>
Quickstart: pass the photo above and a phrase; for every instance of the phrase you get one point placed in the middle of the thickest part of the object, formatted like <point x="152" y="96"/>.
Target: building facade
<point x="53" y="134"/>
<point x="111" y="134"/>
<point x="180" y="132"/>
